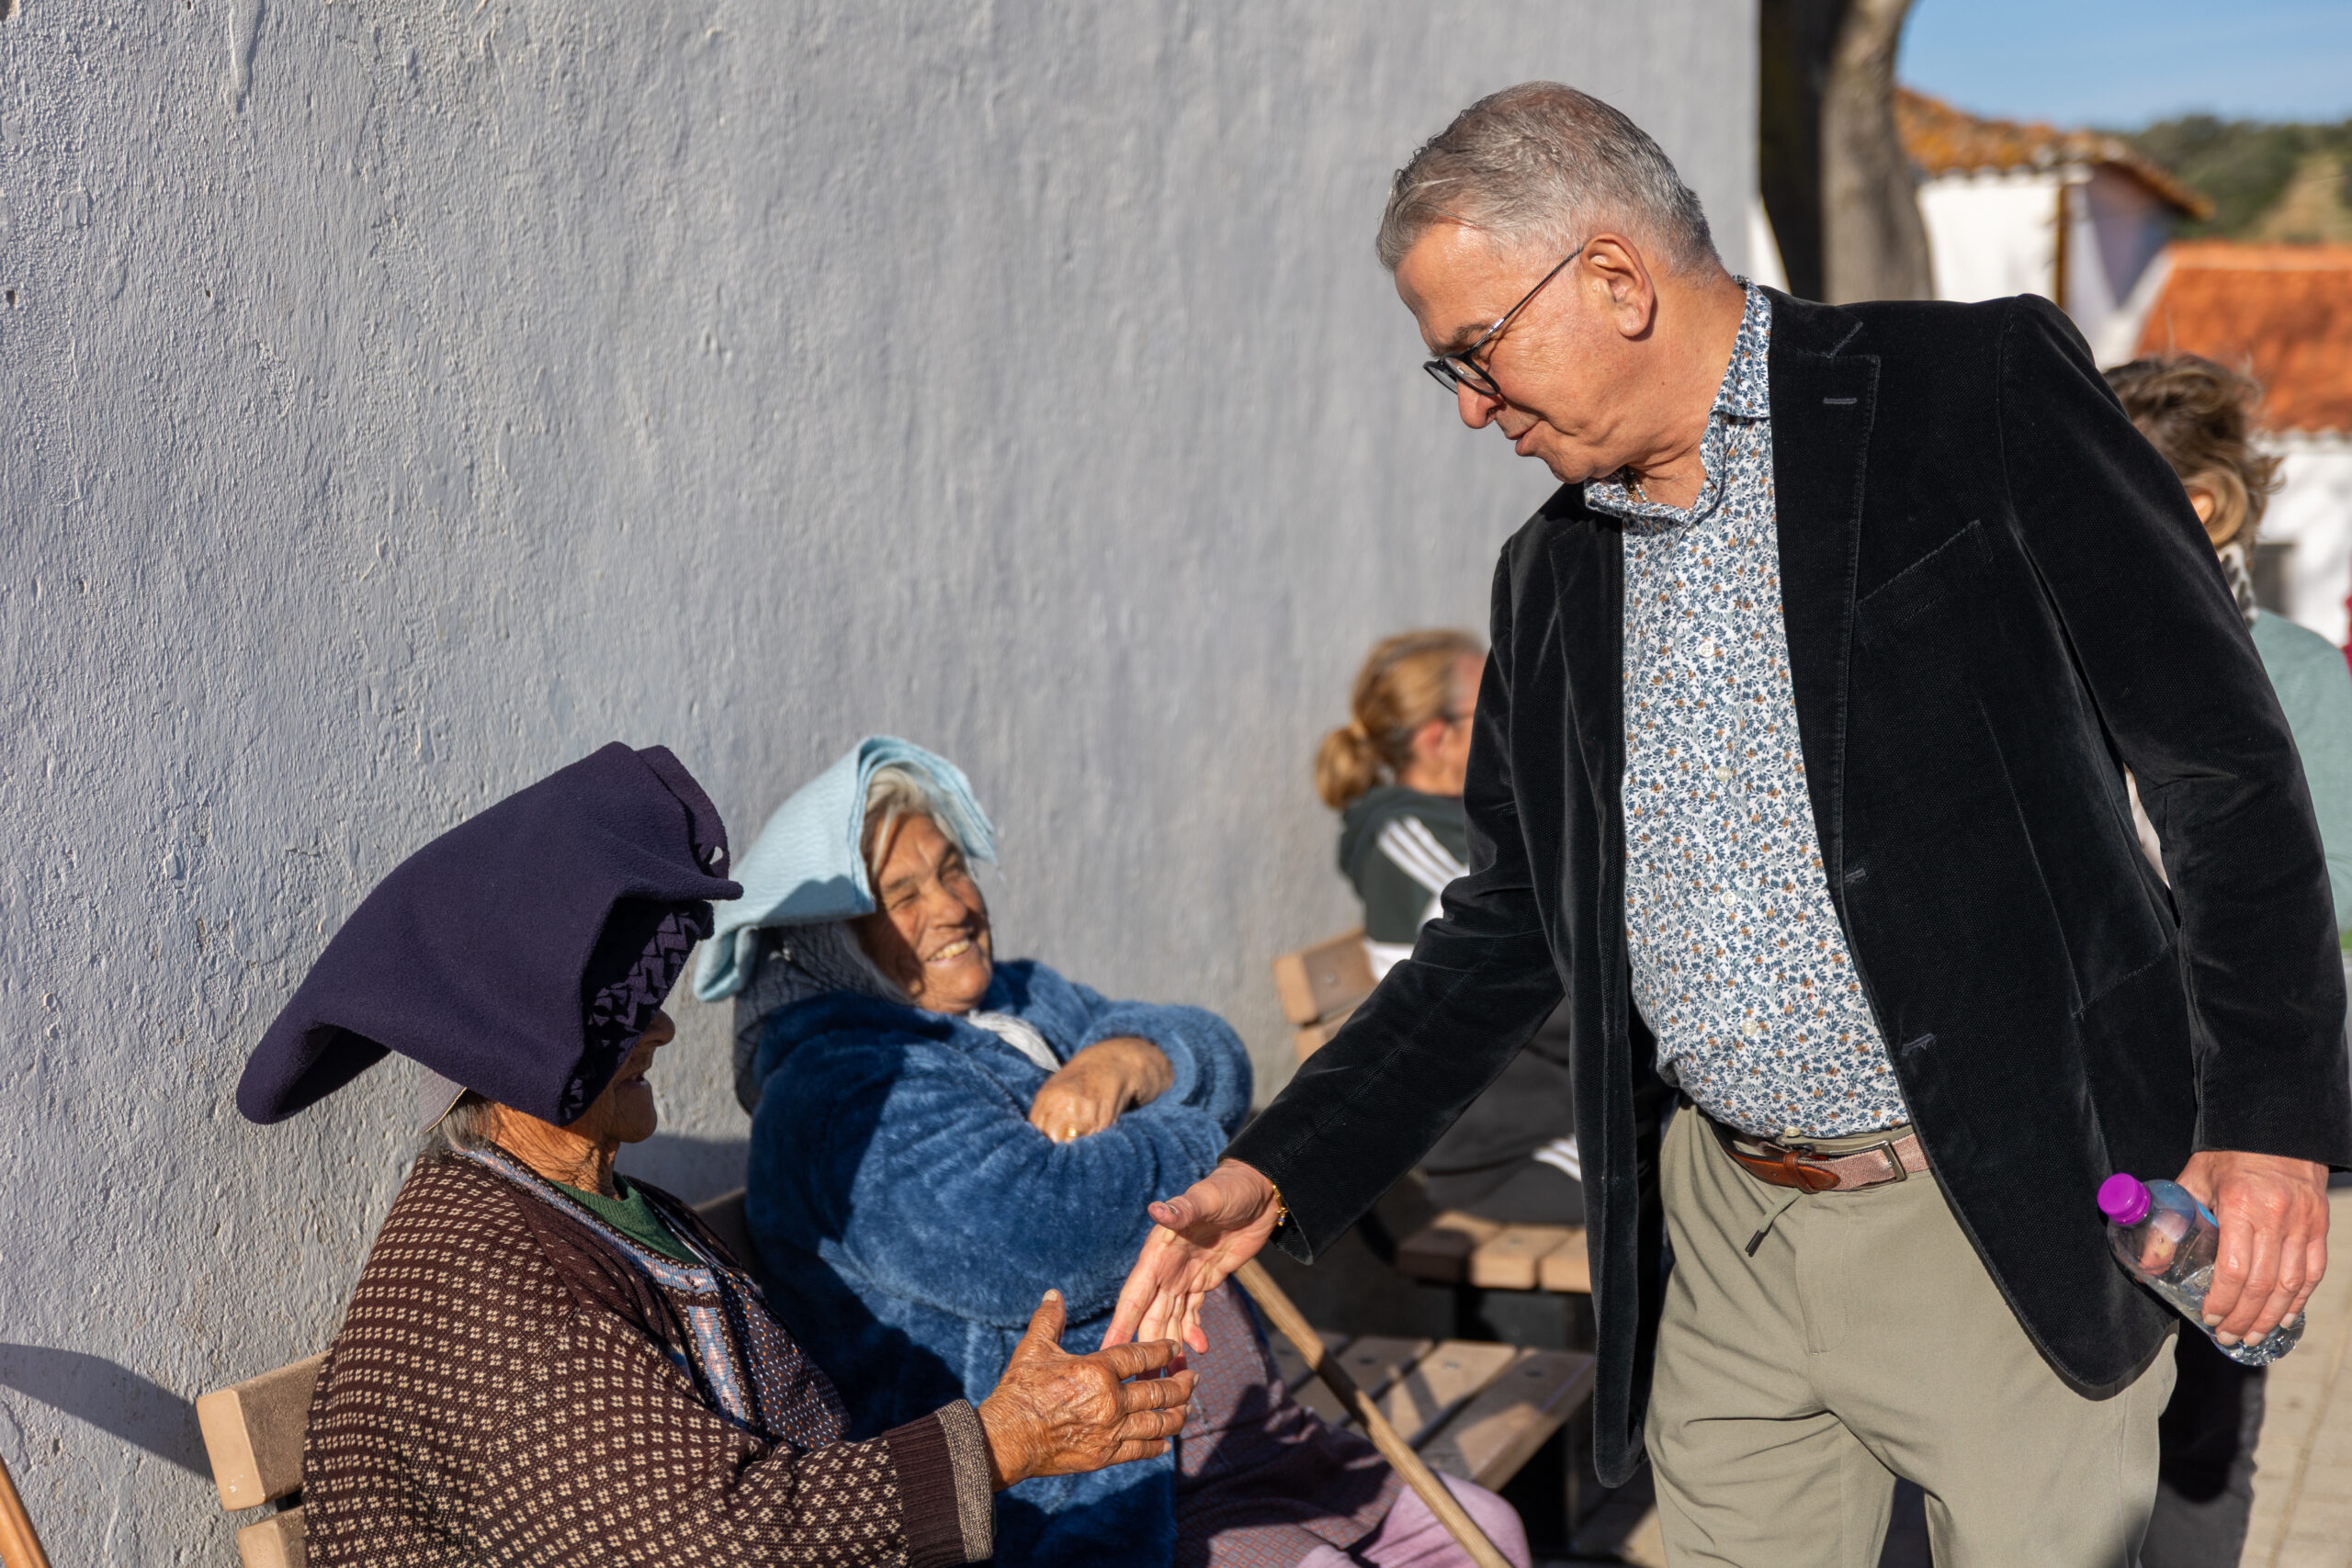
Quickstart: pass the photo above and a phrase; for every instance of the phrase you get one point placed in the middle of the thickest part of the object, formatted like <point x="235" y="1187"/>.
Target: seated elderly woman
<point x="544" y="1363"/>
<point x="936" y="1134"/>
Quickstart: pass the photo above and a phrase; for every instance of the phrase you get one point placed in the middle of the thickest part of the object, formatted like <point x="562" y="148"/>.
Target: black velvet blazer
<point x="1997" y="599"/>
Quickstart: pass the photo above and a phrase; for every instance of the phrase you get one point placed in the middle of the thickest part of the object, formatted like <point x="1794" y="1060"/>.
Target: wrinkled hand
<point x="1204" y="1235"/>
<point x="1053" y="1413"/>
<point x="1095" y="1088"/>
<point x="2274" y="1238"/>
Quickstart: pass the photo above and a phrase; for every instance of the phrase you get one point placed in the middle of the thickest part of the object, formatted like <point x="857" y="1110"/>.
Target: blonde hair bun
<point x="1406" y="681"/>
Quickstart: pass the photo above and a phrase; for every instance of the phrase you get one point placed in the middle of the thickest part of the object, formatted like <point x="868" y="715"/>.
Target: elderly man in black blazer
<point x="1799" y="770"/>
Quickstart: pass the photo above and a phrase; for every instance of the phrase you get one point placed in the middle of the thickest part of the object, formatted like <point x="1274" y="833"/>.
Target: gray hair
<point x="894" y="792"/>
<point x="465" y="1130"/>
<point x="1541" y="164"/>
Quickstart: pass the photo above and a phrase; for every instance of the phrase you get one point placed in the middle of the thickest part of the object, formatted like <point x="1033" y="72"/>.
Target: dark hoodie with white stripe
<point x="1400" y="847"/>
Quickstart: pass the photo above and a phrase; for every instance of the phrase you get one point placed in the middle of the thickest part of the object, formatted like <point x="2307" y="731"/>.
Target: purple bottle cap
<point x="2123" y="1199"/>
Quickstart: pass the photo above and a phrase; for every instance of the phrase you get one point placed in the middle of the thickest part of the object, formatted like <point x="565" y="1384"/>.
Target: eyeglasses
<point x="1455" y="371"/>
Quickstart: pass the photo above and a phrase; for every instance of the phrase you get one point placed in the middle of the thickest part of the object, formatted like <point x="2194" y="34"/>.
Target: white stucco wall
<point x="402" y="400"/>
<point x="1992" y="234"/>
<point x="2312" y="513"/>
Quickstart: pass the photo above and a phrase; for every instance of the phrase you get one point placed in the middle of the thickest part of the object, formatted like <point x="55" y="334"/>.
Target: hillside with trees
<point x="2266" y="180"/>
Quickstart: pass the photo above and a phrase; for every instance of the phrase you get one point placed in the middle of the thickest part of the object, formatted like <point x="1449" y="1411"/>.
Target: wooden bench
<point x="1473" y="1410"/>
<point x="1457" y="1248"/>
<point x="1320" y="985"/>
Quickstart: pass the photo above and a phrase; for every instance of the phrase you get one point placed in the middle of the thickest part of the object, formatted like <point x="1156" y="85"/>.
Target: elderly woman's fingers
<point x="1125" y="1362"/>
<point x="1127" y="1452"/>
<point x="1045" y="1330"/>
<point x="1064" y="1109"/>
<point x="1146" y="1425"/>
<point x="1157" y="1394"/>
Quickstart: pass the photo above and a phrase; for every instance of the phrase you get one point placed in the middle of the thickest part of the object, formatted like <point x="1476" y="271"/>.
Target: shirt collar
<point x="1746" y="394"/>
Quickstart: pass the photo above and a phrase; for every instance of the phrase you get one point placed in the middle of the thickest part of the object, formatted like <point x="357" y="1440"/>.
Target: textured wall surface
<point x="400" y="400"/>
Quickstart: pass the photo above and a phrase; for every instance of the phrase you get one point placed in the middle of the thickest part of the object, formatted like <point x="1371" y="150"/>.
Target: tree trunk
<point x="1874" y="243"/>
<point x="1793" y="42"/>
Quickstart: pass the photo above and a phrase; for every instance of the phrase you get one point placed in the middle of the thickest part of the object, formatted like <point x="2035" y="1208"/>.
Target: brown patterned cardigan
<point x="512" y="1385"/>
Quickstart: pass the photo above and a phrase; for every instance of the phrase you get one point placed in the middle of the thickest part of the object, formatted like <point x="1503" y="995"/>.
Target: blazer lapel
<point x="1588" y="566"/>
<point x="1823" y="400"/>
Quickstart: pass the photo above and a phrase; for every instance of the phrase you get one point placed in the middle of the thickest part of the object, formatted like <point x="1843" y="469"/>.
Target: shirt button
<point x="1751" y="1029"/>
<point x="1723" y="773"/>
<point x="1731" y="899"/>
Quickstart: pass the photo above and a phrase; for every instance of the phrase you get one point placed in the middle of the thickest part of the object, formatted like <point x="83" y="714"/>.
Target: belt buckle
<point x="1886" y="1146"/>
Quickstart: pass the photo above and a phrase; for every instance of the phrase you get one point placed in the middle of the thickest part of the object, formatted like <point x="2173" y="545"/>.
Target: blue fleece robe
<point x="910" y="1218"/>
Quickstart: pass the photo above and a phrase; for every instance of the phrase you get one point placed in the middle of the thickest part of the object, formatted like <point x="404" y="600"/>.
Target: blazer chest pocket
<point x="1944" y="573"/>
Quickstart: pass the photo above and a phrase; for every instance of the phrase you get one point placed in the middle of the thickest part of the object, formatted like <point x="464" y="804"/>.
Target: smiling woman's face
<point x="929" y="934"/>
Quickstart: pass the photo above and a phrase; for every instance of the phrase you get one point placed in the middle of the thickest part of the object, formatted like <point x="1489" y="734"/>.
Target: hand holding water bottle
<point x="2274" y="1238"/>
<point x="2252" y="1268"/>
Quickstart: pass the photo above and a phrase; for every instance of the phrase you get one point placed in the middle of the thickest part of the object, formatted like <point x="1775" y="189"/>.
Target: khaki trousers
<point x="1864" y="1341"/>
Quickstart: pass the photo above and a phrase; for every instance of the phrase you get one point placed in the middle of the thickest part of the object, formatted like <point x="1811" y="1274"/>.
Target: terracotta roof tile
<point x="2282" y="313"/>
<point x="1942" y="140"/>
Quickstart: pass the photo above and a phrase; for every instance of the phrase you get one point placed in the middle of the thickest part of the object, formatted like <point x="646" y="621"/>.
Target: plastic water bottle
<point x="2167" y="1239"/>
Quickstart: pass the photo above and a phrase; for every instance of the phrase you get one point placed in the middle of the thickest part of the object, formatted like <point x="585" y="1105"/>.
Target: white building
<point x="2283" y="314"/>
<point x="2015" y="208"/>
<point x="2080" y="218"/>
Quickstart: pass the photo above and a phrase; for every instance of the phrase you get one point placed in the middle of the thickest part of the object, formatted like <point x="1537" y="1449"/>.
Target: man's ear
<point x="1622" y="268"/>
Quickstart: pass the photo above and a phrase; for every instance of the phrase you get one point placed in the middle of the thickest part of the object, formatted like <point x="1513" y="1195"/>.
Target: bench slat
<point x="1441" y="1382"/>
<point x="1440" y="1251"/>
<point x="1290" y="1366"/>
<point x="1376" y="1361"/>
<point x="273" y="1542"/>
<point x="1567" y="1270"/>
<point x="1508" y="1261"/>
<point x="253" y="1433"/>
<point x="1317" y="981"/>
<point x="1312" y="1391"/>
<point x="1314" y="1036"/>
<point x="1500" y="1431"/>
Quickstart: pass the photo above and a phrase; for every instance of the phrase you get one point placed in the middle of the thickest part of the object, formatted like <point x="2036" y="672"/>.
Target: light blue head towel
<point x="804" y="867"/>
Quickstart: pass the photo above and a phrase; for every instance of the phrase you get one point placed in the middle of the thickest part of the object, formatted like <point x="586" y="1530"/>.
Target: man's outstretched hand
<point x="1054" y="1414"/>
<point x="1204" y="1233"/>
<point x="2274" y="1238"/>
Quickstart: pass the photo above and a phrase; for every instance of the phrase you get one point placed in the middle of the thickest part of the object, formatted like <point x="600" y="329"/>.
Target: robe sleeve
<point x="922" y="1176"/>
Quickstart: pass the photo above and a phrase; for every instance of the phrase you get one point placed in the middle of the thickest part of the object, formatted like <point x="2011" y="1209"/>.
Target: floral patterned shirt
<point x="1739" y="964"/>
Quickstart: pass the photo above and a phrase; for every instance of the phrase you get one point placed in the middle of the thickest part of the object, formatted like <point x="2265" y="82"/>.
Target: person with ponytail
<point x="1394" y="772"/>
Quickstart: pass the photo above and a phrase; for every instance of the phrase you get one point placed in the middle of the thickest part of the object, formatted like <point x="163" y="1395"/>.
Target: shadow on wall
<point x="114" y="1399"/>
<point x="695" y="1169"/>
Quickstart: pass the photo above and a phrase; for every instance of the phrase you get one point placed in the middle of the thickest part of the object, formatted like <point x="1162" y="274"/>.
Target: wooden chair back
<point x="1320" y="985"/>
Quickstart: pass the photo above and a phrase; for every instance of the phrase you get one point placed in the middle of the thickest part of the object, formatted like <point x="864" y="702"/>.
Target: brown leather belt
<point x="1893" y="1157"/>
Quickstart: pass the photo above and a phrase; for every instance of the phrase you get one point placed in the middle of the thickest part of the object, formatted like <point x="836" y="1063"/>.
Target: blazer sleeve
<point x="2167" y="661"/>
<point x="925" y="1178"/>
<point x="1441" y="1027"/>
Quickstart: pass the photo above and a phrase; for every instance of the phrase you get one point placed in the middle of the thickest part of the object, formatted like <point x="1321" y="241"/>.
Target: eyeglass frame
<point x="1470" y="373"/>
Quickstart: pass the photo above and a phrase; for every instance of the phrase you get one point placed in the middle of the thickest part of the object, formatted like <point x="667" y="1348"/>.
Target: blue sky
<point x="2124" y="62"/>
